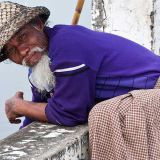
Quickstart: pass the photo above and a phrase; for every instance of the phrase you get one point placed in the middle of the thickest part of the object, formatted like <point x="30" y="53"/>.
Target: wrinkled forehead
<point x="24" y="28"/>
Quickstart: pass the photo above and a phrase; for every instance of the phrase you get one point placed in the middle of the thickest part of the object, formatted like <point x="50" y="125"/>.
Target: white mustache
<point x="35" y="49"/>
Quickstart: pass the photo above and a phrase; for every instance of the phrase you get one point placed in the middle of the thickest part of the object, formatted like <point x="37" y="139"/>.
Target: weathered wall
<point x="128" y="18"/>
<point x="156" y="29"/>
<point x="40" y="141"/>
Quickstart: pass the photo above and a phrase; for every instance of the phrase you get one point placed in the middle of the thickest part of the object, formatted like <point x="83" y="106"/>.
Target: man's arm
<point x="16" y="107"/>
<point x="70" y="104"/>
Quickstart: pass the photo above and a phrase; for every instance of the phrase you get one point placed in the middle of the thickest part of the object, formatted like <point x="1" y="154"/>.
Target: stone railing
<point x="40" y="141"/>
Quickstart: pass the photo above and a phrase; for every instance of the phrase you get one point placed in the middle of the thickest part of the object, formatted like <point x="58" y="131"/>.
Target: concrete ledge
<point x="40" y="141"/>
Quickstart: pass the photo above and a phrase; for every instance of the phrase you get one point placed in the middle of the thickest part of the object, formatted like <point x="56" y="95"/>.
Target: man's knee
<point x="100" y="110"/>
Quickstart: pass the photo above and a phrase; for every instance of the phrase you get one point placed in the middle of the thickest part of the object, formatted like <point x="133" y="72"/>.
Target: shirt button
<point x="51" y="94"/>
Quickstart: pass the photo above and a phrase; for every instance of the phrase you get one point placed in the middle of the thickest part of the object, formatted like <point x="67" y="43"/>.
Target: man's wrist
<point x="20" y="107"/>
<point x="31" y="109"/>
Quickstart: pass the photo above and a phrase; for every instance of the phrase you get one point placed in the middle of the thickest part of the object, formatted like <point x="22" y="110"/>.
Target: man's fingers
<point x="19" y="94"/>
<point x="15" y="121"/>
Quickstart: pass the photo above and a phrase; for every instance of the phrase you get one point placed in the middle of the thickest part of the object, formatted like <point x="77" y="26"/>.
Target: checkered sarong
<point x="126" y="127"/>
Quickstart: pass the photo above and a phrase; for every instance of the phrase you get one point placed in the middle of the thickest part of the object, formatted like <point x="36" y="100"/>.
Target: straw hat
<point x="13" y="16"/>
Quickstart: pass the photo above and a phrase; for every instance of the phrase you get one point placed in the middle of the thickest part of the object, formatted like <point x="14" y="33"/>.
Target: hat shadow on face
<point x="13" y="16"/>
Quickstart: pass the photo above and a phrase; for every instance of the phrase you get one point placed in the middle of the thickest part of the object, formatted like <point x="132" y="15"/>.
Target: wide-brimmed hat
<point x="13" y="16"/>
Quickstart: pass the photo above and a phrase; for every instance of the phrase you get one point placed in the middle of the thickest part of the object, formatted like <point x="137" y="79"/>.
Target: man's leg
<point x="126" y="127"/>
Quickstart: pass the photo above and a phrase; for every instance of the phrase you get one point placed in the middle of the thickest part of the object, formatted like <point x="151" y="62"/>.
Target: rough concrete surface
<point x="130" y="19"/>
<point x="156" y="28"/>
<point x="41" y="141"/>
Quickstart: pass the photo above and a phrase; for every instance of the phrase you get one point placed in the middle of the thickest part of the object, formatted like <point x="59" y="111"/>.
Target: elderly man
<point x="72" y="68"/>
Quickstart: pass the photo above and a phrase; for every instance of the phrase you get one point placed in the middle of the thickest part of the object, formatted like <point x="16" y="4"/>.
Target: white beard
<point x="41" y="76"/>
<point x="35" y="49"/>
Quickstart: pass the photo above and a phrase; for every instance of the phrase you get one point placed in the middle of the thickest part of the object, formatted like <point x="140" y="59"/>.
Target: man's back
<point x="120" y="65"/>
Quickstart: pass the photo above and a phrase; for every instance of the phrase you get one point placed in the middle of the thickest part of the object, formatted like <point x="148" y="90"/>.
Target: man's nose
<point x="23" y="50"/>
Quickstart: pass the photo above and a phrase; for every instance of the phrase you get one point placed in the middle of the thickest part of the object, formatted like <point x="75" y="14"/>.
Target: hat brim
<point x="9" y="30"/>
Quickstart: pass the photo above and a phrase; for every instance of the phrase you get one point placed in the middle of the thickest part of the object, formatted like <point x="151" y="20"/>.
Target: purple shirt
<point x="89" y="67"/>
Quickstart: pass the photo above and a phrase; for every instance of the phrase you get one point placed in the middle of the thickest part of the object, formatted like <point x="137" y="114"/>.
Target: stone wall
<point x="138" y="20"/>
<point x="40" y="141"/>
<point x="156" y="28"/>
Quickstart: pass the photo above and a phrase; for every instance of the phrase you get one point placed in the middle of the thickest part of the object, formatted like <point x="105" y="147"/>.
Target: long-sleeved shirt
<point x="90" y="67"/>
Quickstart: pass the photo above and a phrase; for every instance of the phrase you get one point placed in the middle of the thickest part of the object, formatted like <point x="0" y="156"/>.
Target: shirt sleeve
<point x="73" y="97"/>
<point x="36" y="97"/>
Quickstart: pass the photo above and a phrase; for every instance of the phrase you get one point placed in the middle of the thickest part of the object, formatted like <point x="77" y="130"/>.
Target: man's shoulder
<point x="63" y="27"/>
<point x="66" y="31"/>
<point x="66" y="37"/>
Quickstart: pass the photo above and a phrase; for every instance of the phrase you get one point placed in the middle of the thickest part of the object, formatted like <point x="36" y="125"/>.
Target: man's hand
<point x="11" y="108"/>
<point x="16" y="107"/>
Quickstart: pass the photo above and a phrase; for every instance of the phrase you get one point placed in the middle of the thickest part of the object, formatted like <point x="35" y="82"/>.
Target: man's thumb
<point x="19" y="94"/>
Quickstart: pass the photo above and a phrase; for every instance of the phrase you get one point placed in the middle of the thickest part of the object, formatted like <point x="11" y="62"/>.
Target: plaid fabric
<point x="126" y="127"/>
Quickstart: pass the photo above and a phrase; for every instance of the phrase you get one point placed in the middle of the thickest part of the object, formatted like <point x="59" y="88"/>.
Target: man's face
<point x="22" y="47"/>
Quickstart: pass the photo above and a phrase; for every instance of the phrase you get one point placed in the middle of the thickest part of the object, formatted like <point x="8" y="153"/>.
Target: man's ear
<point x="39" y="25"/>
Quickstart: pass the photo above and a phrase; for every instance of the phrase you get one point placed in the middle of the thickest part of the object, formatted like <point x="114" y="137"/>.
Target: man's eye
<point x="11" y="50"/>
<point x="21" y="37"/>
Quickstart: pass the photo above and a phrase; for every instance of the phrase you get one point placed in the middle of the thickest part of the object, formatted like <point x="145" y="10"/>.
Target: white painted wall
<point x="128" y="18"/>
<point x="156" y="33"/>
